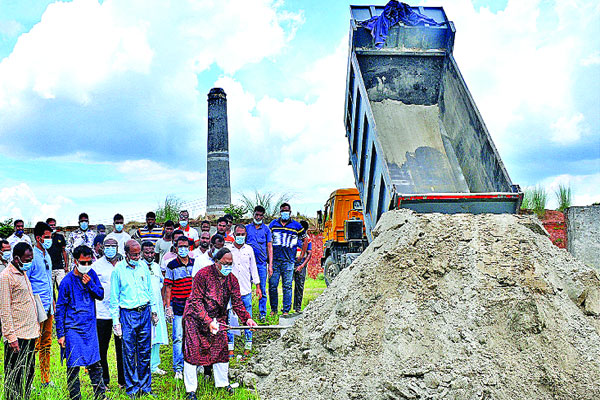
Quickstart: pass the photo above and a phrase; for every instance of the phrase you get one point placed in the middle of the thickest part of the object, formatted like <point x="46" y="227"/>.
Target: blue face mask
<point x="47" y="243"/>
<point x="83" y="225"/>
<point x="257" y="222"/>
<point x="20" y="232"/>
<point x="6" y="256"/>
<point x="183" y="223"/>
<point x="118" y="227"/>
<point x="26" y="266"/>
<point x="226" y="269"/>
<point x="183" y="251"/>
<point x="110" y="251"/>
<point x="285" y="215"/>
<point x="240" y="239"/>
<point x="134" y="263"/>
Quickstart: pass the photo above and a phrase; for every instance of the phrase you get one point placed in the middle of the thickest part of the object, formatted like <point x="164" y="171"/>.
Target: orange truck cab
<point x="343" y="229"/>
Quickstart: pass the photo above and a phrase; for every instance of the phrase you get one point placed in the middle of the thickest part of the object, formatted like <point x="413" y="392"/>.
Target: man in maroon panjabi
<point x="204" y="340"/>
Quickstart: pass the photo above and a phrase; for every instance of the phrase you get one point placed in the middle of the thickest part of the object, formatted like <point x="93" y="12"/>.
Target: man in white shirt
<point x="119" y="233"/>
<point x="188" y="231"/>
<point x="19" y="235"/>
<point x="201" y="254"/>
<point x="164" y="244"/>
<point x="244" y="269"/>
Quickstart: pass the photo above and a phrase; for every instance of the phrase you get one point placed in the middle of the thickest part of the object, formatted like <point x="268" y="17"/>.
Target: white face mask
<point x="83" y="269"/>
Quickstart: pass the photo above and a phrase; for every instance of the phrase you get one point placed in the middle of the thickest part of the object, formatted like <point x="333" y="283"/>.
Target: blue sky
<point x="103" y="104"/>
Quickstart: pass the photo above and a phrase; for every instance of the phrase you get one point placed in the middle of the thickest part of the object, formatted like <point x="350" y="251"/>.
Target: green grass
<point x="164" y="387"/>
<point x="563" y="197"/>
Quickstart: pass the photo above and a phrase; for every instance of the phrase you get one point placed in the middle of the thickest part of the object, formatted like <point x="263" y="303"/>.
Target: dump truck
<point x="416" y="139"/>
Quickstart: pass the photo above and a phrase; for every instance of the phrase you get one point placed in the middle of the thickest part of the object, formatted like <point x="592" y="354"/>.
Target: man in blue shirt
<point x="76" y="323"/>
<point x="259" y="237"/>
<point x="40" y="276"/>
<point x="131" y="302"/>
<point x="286" y="233"/>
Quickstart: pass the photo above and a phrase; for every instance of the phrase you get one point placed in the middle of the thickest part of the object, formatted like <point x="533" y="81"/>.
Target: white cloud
<point x="20" y="201"/>
<point x="567" y="130"/>
<point x="592" y="59"/>
<point x="584" y="188"/>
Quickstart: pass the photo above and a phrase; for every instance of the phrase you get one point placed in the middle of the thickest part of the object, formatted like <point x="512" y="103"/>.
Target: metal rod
<point x="235" y="328"/>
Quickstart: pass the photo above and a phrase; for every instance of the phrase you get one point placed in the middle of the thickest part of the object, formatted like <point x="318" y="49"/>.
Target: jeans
<point x="137" y="341"/>
<point x="247" y="300"/>
<point x="104" y="328"/>
<point x="285" y="270"/>
<point x="262" y="302"/>
<point x="43" y="345"/>
<point x="177" y="339"/>
<point x="95" y="372"/>
<point x="18" y="366"/>
<point x="299" y="278"/>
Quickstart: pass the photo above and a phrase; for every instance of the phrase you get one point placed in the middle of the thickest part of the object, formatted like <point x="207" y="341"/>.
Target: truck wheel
<point x="330" y="270"/>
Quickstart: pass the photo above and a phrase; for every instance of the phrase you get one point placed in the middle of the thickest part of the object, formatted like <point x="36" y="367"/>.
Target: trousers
<point x="262" y="302"/>
<point x="19" y="369"/>
<point x="104" y="328"/>
<point x="299" y="279"/>
<point x="43" y="346"/>
<point x="285" y="270"/>
<point x="247" y="300"/>
<point x="137" y="343"/>
<point x="95" y="372"/>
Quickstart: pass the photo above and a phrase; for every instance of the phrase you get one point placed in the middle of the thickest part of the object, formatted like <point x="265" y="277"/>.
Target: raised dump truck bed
<point x="416" y="139"/>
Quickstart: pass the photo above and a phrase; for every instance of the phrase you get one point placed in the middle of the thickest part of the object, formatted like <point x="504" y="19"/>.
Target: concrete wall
<point x="583" y="234"/>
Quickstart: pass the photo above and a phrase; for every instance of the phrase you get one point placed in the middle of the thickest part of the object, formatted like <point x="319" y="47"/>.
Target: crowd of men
<point x="95" y="287"/>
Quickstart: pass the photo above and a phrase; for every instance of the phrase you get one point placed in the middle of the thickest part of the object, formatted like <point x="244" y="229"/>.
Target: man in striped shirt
<point x="20" y="326"/>
<point x="150" y="232"/>
<point x="178" y="283"/>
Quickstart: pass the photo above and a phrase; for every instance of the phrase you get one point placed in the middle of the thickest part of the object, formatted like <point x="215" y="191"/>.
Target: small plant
<point x="169" y="210"/>
<point x="6" y="228"/>
<point x="527" y="197"/>
<point x="539" y="198"/>
<point x="564" y="198"/>
<point x="267" y="200"/>
<point x="237" y="212"/>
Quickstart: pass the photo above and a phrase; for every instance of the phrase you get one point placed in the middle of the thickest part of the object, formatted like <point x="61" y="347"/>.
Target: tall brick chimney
<point x="218" y="187"/>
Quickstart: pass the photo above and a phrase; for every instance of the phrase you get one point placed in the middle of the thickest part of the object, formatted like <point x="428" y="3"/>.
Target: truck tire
<point x="330" y="270"/>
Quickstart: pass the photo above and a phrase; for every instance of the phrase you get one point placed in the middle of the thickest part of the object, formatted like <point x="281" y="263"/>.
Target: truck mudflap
<point x="454" y="203"/>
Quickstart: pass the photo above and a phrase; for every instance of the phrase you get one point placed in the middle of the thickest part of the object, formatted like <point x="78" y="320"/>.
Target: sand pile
<point x="445" y="307"/>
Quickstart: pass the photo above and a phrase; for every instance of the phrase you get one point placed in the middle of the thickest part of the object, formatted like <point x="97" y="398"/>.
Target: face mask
<point x="133" y="263"/>
<point x="83" y="269"/>
<point x="257" y="222"/>
<point x="149" y="262"/>
<point x="20" y="232"/>
<point x="183" y="223"/>
<point x="226" y="269"/>
<point x="118" y="227"/>
<point x="26" y="266"/>
<point x="110" y="251"/>
<point x="47" y="243"/>
<point x="240" y="239"/>
<point x="6" y="256"/>
<point x="83" y="225"/>
<point x="285" y="215"/>
<point x="183" y="252"/>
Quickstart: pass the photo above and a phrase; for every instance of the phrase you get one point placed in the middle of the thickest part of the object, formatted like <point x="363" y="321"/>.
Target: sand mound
<point x="445" y="307"/>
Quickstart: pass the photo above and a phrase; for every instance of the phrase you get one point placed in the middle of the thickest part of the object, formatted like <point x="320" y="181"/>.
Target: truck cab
<point x="344" y="236"/>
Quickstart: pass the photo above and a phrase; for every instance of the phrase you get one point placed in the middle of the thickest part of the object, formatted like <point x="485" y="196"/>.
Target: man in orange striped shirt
<point x="20" y="326"/>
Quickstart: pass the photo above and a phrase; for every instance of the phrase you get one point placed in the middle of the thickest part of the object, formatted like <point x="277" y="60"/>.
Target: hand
<point x="259" y="292"/>
<point x="85" y="279"/>
<point x="270" y="270"/>
<point x="169" y="314"/>
<point x="118" y="331"/>
<point x="154" y="319"/>
<point x="300" y="268"/>
<point x="15" y="346"/>
<point x="61" y="342"/>
<point x="214" y="327"/>
<point x="251" y="322"/>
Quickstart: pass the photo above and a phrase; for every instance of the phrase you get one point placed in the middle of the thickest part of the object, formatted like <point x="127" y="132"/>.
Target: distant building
<point x="218" y="186"/>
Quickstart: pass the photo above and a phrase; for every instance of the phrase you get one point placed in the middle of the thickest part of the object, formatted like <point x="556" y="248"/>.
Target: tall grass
<point x="564" y="198"/>
<point x="270" y="201"/>
<point x="169" y="210"/>
<point x="538" y="200"/>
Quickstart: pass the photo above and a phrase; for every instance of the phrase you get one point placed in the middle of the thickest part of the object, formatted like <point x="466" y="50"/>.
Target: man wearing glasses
<point x="76" y="323"/>
<point x="133" y="311"/>
<point x="40" y="276"/>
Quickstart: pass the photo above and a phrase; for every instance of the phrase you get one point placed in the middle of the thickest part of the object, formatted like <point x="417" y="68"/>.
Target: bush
<point x="538" y="201"/>
<point x="169" y="210"/>
<point x="6" y="228"/>
<point x="564" y="198"/>
<point x="237" y="212"/>
<point x="268" y="201"/>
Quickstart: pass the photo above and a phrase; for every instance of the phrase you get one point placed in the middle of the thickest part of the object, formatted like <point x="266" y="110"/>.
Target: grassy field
<point x="164" y="387"/>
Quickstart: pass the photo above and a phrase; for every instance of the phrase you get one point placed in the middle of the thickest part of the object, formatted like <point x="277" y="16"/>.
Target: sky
<point x="103" y="103"/>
